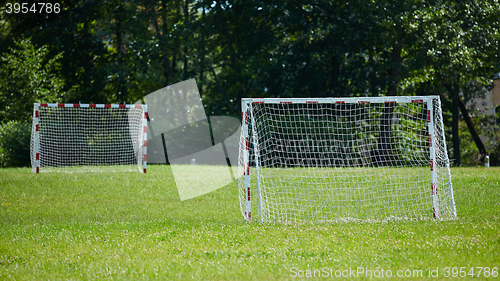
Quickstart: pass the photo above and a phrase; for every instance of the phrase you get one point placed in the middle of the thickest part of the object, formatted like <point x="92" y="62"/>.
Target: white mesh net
<point x="89" y="138"/>
<point x="323" y="160"/>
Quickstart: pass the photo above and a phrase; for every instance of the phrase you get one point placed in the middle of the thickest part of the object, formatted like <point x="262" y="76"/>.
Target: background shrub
<point x="15" y="144"/>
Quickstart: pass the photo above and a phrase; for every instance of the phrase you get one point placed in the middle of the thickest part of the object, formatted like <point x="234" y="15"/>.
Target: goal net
<point x="338" y="159"/>
<point x="89" y="138"/>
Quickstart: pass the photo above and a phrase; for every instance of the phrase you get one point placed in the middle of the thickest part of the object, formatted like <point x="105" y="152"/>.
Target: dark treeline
<point x="121" y="50"/>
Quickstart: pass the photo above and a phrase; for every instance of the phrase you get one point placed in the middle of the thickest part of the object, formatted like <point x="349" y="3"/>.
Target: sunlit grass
<point x="134" y="226"/>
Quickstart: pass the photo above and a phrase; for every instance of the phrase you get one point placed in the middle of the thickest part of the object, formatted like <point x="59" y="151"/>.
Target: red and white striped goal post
<point x="78" y="105"/>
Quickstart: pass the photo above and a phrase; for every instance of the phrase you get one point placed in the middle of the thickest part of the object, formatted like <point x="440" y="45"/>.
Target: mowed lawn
<point x="134" y="226"/>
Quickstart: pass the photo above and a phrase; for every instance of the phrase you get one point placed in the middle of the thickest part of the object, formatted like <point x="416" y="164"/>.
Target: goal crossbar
<point x="398" y="99"/>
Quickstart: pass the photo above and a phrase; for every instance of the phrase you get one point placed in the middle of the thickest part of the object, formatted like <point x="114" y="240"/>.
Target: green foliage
<point x="27" y="76"/>
<point x="15" y="137"/>
<point x="123" y="50"/>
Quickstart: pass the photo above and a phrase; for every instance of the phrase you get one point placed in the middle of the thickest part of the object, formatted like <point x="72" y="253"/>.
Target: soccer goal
<point x="89" y="138"/>
<point x="344" y="159"/>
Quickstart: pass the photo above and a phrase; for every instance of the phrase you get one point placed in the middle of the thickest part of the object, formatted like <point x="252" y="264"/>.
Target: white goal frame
<point x="141" y="130"/>
<point x="250" y="163"/>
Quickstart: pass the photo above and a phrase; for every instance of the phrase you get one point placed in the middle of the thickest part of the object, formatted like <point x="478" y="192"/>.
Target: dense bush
<point x="15" y="144"/>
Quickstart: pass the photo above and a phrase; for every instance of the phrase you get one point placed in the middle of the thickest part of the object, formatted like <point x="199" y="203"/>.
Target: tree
<point x="457" y="57"/>
<point x="28" y="75"/>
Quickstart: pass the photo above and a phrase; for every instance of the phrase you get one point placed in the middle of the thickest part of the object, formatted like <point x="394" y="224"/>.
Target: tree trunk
<point x="395" y="67"/>
<point x="167" y="70"/>
<point x="202" y="54"/>
<point x="233" y="58"/>
<point x="472" y="130"/>
<point x="120" y="88"/>
<point x="384" y="140"/>
<point x="453" y="89"/>
<point x="170" y="69"/>
<point x="219" y="85"/>
<point x="186" y="23"/>
<point x="454" y="125"/>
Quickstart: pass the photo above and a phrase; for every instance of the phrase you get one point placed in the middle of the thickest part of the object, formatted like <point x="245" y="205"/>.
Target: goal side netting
<point x="89" y="138"/>
<point x="344" y="159"/>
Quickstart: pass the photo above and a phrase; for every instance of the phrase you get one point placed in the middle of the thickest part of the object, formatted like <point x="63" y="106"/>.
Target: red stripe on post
<point x="248" y="169"/>
<point x="257" y="101"/>
<point x="145" y="143"/>
<point x="249" y="215"/>
<point x="138" y="106"/>
<point x="107" y="106"/>
<point x="92" y="105"/>
<point x="145" y="157"/>
<point x="246" y="117"/>
<point x="37" y="170"/>
<point x="430" y="141"/>
<point x="122" y="106"/>
<point x="340" y="102"/>
<point x="285" y="102"/>
<point x="144" y="170"/>
<point x="248" y="193"/>
<point x="432" y="164"/>
<point x="60" y="105"/>
<point x="417" y="100"/>
<point x="76" y="105"/>
<point x="36" y="128"/>
<point x="36" y="114"/>
<point x="145" y="115"/>
<point x="44" y="104"/>
<point x="311" y="102"/>
<point x="145" y="129"/>
<point x="362" y="101"/>
<point x="428" y="116"/>
<point x="38" y="156"/>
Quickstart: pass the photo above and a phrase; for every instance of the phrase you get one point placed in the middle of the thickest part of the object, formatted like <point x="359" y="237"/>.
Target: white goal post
<point x="89" y="137"/>
<point x="344" y="159"/>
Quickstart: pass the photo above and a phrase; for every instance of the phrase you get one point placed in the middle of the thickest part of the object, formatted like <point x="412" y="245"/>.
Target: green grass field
<point x="133" y="226"/>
